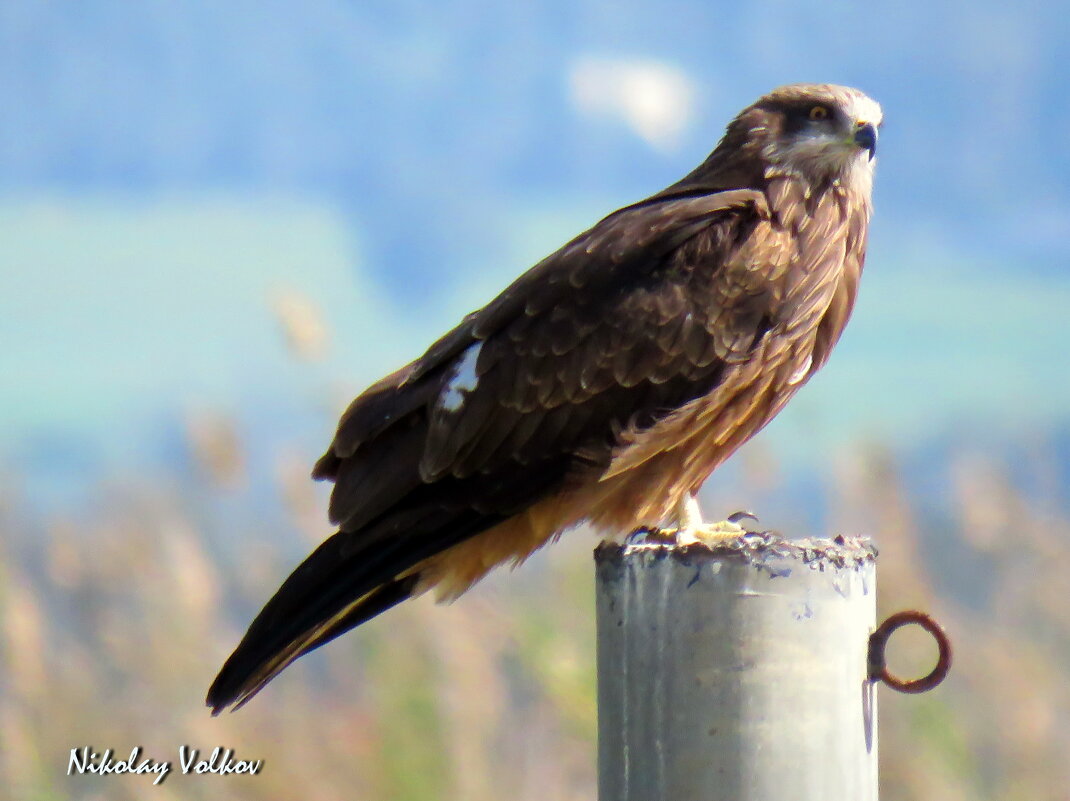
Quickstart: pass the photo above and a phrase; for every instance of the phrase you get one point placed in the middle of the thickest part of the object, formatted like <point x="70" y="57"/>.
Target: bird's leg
<point x="691" y="529"/>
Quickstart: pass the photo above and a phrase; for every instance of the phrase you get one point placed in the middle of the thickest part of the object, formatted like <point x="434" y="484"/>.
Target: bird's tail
<point x="348" y="580"/>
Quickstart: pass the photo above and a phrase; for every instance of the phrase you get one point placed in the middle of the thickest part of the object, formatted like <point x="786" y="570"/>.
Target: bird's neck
<point x="793" y="196"/>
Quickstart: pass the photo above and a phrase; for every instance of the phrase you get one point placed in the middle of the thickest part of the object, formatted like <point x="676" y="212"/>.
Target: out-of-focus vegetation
<point x="114" y="622"/>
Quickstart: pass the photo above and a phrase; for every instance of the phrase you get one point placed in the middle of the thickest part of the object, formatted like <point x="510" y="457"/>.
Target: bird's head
<point x="820" y="131"/>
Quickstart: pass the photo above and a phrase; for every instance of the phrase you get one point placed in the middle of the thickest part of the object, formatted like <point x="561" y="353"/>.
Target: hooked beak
<point x="866" y="138"/>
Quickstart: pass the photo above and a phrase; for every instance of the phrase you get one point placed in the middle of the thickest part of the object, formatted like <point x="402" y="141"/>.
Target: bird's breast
<point x="806" y="261"/>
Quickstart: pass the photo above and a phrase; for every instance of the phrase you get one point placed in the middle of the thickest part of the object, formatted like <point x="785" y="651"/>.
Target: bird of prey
<point x="603" y="386"/>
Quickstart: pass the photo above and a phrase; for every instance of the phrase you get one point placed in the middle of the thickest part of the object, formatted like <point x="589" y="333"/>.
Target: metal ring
<point x="878" y="640"/>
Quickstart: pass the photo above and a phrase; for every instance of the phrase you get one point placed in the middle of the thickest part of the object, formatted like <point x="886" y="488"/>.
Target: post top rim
<point x="818" y="552"/>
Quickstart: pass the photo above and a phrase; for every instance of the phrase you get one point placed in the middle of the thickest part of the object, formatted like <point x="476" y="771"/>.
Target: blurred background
<point x="219" y="222"/>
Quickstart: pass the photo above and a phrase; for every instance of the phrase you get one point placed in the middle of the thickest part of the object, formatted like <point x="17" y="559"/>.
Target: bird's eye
<point x="819" y="113"/>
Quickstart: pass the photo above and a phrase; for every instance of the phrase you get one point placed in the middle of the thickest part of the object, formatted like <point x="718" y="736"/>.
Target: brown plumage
<point x="604" y="385"/>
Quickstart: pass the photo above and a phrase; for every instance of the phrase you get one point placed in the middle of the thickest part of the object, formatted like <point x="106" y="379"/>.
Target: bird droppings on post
<point x="762" y="549"/>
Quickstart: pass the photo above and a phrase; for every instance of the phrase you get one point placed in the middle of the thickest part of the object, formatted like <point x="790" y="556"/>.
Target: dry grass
<point x="113" y="625"/>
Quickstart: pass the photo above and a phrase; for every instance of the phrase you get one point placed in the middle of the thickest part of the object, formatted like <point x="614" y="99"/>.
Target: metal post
<point x="737" y="673"/>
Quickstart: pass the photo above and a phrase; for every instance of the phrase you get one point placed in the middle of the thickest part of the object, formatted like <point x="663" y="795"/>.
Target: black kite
<point x="604" y="385"/>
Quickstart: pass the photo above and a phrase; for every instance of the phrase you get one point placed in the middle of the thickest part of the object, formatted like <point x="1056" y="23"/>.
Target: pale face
<point x="829" y="132"/>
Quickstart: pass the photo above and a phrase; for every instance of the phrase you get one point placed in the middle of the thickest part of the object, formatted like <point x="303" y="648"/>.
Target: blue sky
<point x="168" y="171"/>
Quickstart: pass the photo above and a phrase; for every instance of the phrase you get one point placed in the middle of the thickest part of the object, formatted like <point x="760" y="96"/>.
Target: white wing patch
<point x="801" y="372"/>
<point x="462" y="381"/>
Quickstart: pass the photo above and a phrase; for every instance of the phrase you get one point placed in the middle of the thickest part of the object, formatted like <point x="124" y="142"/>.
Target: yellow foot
<point x="710" y="533"/>
<point x="693" y="530"/>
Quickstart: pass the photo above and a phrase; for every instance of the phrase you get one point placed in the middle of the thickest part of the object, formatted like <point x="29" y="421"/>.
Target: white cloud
<point x="655" y="99"/>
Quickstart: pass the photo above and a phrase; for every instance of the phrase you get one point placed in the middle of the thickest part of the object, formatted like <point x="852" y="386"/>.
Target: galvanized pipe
<point x="737" y="673"/>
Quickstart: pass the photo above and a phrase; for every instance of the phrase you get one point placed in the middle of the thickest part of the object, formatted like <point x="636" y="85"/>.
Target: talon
<point x="692" y="530"/>
<point x="711" y="534"/>
<point x="743" y="514"/>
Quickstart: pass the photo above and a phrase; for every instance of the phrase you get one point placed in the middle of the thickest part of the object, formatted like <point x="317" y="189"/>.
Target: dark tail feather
<point x="372" y="605"/>
<point x="348" y="580"/>
<point x="243" y="676"/>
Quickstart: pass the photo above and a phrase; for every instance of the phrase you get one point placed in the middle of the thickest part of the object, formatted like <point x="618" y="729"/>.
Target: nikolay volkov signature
<point x="221" y="763"/>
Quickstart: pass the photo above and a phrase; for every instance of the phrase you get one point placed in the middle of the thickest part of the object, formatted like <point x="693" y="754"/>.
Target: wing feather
<point x="620" y="327"/>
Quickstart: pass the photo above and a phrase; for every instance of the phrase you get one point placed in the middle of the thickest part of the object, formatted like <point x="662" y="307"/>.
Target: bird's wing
<point x="621" y="326"/>
<point x="622" y="322"/>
